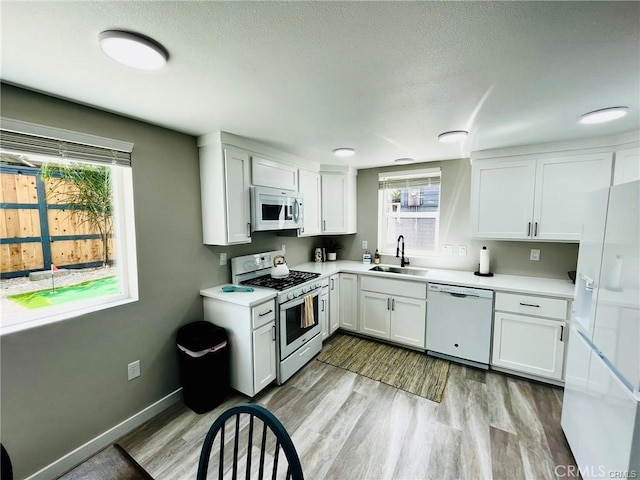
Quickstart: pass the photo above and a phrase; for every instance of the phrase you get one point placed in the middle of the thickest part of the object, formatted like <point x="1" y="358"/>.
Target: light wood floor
<point x="348" y="427"/>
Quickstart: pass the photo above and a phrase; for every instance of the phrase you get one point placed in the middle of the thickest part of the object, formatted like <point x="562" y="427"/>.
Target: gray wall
<point x="64" y="384"/>
<point x="506" y="257"/>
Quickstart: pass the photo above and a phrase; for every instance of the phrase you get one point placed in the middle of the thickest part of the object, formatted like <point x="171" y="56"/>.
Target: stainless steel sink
<point x="400" y="270"/>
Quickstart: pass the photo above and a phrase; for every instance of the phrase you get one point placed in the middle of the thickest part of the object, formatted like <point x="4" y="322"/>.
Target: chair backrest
<point x="6" y="472"/>
<point x="256" y="457"/>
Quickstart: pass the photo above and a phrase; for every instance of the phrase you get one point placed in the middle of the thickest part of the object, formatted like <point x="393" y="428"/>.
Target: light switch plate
<point x="223" y="258"/>
<point x="462" y="250"/>
<point x="365" y="244"/>
<point x="447" y="250"/>
<point x="535" y="255"/>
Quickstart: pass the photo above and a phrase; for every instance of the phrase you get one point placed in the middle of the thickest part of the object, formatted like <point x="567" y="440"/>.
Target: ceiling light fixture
<point x="133" y="50"/>
<point x="603" y="115"/>
<point x="403" y="161"/>
<point x="344" y="152"/>
<point x="453" y="136"/>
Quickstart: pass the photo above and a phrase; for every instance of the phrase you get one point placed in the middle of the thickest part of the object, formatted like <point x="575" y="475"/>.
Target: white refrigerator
<point x="600" y="412"/>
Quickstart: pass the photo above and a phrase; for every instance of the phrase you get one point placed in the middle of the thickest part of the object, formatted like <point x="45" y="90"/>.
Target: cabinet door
<point x="324" y="312"/>
<point x="309" y="186"/>
<point x="269" y="173"/>
<point x="627" y="166"/>
<point x="264" y="356"/>
<point x="502" y="198"/>
<point x="530" y="345"/>
<point x="349" y="301"/>
<point x="408" y="321"/>
<point x="334" y="303"/>
<point x="561" y="185"/>
<point x="375" y="309"/>
<point x="236" y="163"/>
<point x="334" y="203"/>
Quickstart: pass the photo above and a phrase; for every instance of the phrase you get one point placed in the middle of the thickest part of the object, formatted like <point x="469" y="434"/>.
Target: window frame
<point x="382" y="216"/>
<point x="124" y="223"/>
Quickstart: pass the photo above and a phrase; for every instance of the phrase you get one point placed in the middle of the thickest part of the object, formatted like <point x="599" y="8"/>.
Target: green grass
<point x="69" y="294"/>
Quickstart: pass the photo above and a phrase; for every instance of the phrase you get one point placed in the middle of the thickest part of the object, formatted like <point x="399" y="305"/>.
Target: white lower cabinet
<point x="385" y="314"/>
<point x="334" y="303"/>
<point x="324" y="309"/>
<point x="530" y="334"/>
<point x="264" y="356"/>
<point x="348" y="285"/>
<point x="252" y="339"/>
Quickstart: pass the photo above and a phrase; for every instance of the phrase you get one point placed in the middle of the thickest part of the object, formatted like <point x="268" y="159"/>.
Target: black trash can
<point x="203" y="349"/>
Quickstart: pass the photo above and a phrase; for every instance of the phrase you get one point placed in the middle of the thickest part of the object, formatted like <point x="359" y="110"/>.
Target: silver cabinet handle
<point x="535" y="229"/>
<point x="529" y="230"/>
<point x="331" y="280"/>
<point x="393" y="304"/>
<point x="561" y="332"/>
<point x="529" y="305"/>
<point x="265" y="313"/>
<point x="324" y="225"/>
<point x="322" y="305"/>
<point x="248" y="229"/>
<point x="388" y="304"/>
<point x="273" y="333"/>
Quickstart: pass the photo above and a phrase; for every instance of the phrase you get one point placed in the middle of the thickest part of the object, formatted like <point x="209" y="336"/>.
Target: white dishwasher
<point x="459" y="323"/>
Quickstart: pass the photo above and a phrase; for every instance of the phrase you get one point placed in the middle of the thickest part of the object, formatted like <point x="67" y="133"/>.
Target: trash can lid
<point x="200" y="335"/>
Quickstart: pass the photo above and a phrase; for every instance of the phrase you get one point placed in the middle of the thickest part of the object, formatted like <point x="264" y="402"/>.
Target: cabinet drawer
<point x="530" y="305"/>
<point x="402" y="288"/>
<point x="263" y="313"/>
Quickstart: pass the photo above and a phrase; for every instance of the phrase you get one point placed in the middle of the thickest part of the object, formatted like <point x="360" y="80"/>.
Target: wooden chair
<point x="257" y="458"/>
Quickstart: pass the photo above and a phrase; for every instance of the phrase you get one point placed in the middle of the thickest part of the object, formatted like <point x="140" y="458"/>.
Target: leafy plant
<point x="331" y="245"/>
<point x="87" y="191"/>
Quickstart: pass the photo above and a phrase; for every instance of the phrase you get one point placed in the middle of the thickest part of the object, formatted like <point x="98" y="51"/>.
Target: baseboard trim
<point x="73" y="458"/>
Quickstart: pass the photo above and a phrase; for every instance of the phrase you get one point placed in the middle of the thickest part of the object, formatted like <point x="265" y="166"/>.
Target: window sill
<point x="15" y="324"/>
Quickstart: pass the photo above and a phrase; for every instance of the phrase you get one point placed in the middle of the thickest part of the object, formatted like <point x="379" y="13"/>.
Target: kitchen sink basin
<point x="401" y="270"/>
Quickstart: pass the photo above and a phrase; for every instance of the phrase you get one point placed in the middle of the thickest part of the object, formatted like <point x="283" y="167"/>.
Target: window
<point x="409" y="205"/>
<point x="67" y="241"/>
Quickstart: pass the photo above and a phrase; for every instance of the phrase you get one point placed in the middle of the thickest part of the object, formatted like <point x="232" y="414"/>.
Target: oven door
<point x="292" y="334"/>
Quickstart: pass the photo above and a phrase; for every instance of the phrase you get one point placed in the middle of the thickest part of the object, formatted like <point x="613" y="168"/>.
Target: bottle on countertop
<point x="366" y="257"/>
<point x="376" y="257"/>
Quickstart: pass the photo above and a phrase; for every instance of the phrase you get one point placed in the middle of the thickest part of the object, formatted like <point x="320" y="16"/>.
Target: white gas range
<point x="296" y="344"/>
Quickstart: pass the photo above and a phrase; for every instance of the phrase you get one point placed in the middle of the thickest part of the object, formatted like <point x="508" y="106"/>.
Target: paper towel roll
<point x="484" y="260"/>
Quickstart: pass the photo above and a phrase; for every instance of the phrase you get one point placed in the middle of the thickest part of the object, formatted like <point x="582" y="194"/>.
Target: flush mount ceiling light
<point x="344" y="152"/>
<point x="453" y="136"/>
<point x="603" y="115"/>
<point x="133" y="50"/>
<point x="403" y="161"/>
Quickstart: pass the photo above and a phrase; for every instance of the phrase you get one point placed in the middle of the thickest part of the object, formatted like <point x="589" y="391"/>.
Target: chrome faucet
<point x="403" y="261"/>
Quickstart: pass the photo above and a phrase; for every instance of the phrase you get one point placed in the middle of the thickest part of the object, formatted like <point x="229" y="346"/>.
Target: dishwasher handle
<point x="461" y="295"/>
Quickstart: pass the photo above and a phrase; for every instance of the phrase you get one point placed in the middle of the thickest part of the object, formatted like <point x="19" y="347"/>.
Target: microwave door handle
<point x="296" y="211"/>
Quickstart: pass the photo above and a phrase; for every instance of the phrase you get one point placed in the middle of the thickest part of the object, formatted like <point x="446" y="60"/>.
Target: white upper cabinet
<point x="516" y="198"/>
<point x="627" y="166"/>
<point x="339" y="202"/>
<point x="224" y="187"/>
<point x="269" y="173"/>
<point x="309" y="185"/>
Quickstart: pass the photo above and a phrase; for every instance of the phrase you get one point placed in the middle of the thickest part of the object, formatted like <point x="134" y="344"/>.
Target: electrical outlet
<point x="133" y="370"/>
<point x="223" y="258"/>
<point x="462" y="250"/>
<point x="447" y="250"/>
<point x="535" y="255"/>
<point x="365" y="244"/>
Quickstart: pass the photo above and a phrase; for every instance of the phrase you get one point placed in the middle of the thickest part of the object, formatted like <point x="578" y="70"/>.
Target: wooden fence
<point x="36" y="232"/>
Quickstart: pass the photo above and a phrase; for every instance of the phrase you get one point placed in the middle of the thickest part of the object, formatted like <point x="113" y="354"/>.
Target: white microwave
<point x="275" y="209"/>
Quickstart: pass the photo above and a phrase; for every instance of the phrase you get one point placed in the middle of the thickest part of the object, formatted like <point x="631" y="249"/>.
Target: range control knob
<point x="317" y="285"/>
<point x="297" y="293"/>
<point x="305" y="289"/>
<point x="290" y="295"/>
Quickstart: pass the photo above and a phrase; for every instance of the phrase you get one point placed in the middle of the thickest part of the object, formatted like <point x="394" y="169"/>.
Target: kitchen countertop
<point x="551" y="287"/>
<point x="246" y="299"/>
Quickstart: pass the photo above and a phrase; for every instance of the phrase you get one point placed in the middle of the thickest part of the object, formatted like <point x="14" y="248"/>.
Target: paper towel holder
<point x="478" y="273"/>
<point x="483" y="274"/>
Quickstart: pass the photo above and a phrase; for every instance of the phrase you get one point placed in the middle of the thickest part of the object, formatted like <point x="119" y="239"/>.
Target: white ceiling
<point x="383" y="77"/>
